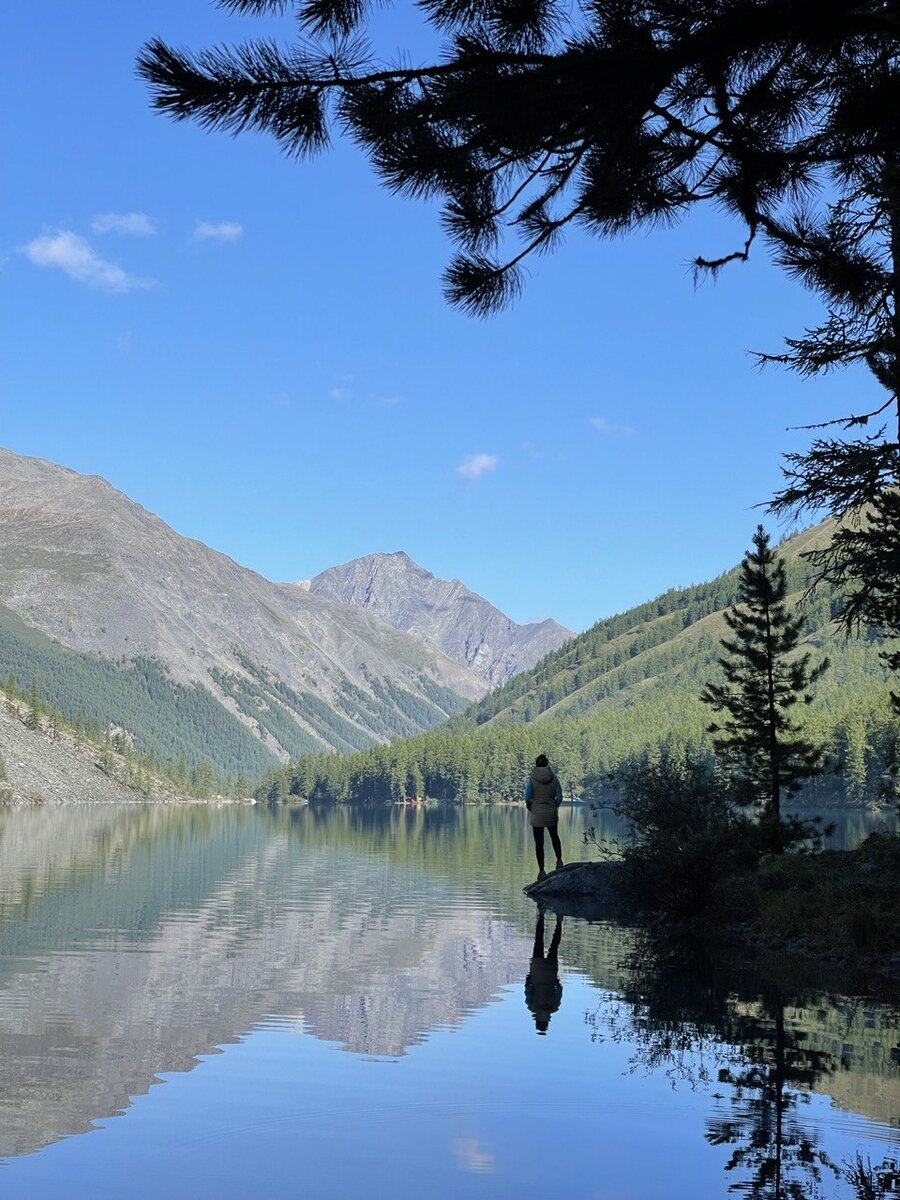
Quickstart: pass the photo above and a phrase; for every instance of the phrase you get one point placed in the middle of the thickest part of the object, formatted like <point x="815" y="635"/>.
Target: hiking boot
<point x="541" y="875"/>
<point x="559" y="864"/>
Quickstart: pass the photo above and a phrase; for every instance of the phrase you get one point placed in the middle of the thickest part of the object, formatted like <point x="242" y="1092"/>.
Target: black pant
<point x="538" y="951"/>
<point x="538" y="832"/>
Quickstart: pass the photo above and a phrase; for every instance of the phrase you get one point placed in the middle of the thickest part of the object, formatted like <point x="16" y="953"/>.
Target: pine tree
<point x="759" y="741"/>
<point x="107" y="758"/>
<point x="37" y="706"/>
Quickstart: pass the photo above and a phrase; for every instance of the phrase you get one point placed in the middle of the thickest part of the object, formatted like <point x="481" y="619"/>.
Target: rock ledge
<point x="580" y="889"/>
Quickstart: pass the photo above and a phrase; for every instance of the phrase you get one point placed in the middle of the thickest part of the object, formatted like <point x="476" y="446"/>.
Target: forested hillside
<point x="175" y="723"/>
<point x="629" y="682"/>
<point x="671" y="639"/>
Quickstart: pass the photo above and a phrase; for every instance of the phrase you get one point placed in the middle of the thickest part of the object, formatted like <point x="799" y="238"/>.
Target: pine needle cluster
<point x="863" y="559"/>
<point x="539" y="116"/>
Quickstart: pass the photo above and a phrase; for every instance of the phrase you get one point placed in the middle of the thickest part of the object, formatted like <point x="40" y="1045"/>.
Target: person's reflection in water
<point x="543" y="991"/>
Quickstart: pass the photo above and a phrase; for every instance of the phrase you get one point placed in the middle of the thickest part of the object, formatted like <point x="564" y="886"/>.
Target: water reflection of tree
<point x="689" y="1016"/>
<point x="873" y="1182"/>
<point x="773" y="1151"/>
<point x="671" y="1009"/>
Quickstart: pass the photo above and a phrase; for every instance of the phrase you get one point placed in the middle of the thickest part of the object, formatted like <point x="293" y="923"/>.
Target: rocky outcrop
<point x="581" y="889"/>
<point x="442" y="612"/>
<point x="58" y="769"/>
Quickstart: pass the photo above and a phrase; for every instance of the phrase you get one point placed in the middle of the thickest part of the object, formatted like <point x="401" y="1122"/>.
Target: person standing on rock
<point x="543" y="796"/>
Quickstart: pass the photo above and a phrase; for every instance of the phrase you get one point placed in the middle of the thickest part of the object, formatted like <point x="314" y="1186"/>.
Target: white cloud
<point x="610" y="428"/>
<point x="135" y="224"/>
<point x="473" y="1155"/>
<point x="473" y="466"/>
<point x="340" y="393"/>
<point x="224" y="231"/>
<point x="76" y="256"/>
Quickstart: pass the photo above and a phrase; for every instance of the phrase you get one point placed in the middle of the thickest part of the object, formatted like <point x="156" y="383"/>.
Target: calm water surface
<point x="233" y="1002"/>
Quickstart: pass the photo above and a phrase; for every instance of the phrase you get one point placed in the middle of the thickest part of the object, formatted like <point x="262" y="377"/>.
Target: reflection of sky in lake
<point x="238" y="956"/>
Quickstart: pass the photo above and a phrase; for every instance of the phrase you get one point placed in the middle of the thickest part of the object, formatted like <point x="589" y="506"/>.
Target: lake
<point x="234" y="1002"/>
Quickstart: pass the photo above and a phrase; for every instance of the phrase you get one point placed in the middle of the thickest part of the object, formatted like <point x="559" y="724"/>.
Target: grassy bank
<point x="839" y="906"/>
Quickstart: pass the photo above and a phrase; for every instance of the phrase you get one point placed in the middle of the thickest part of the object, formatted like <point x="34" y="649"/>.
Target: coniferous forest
<point x="181" y="727"/>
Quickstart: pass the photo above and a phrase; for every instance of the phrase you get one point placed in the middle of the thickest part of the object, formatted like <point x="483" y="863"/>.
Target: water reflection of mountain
<point x="134" y="940"/>
<point x="116" y="969"/>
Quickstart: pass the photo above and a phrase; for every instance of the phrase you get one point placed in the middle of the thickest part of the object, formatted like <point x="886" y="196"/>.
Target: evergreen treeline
<point x="861" y="739"/>
<point x="180" y="727"/>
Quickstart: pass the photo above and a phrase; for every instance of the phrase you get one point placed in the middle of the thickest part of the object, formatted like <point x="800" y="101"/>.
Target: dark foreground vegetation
<point x="700" y="866"/>
<point x="712" y="849"/>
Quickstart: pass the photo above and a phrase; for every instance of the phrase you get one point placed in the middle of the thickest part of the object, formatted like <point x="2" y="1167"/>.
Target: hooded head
<point x="542" y="772"/>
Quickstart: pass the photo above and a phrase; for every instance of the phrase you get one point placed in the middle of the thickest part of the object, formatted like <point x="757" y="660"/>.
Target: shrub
<point x="687" y="832"/>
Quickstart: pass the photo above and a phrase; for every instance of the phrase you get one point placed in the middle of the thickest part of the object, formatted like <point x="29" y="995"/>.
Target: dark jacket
<point x="543" y="796"/>
<point x="543" y="990"/>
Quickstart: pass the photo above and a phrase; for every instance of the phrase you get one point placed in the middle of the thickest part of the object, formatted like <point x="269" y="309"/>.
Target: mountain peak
<point x="442" y="612"/>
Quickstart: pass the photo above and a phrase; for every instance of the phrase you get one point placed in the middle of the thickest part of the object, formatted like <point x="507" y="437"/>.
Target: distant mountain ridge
<point x="97" y="573"/>
<point x="441" y="612"/>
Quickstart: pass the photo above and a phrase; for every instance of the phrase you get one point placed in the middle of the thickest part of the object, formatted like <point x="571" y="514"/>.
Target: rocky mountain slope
<point x="99" y="574"/>
<point x="442" y="612"/>
<point x="45" y="768"/>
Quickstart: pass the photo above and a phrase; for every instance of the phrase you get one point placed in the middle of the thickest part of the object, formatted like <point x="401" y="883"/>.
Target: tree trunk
<point x="774" y="813"/>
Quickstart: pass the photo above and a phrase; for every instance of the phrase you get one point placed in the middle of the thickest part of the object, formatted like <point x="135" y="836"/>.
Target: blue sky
<point x="258" y="350"/>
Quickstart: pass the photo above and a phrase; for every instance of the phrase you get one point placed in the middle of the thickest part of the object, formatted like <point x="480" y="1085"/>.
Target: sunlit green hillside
<point x="668" y="642"/>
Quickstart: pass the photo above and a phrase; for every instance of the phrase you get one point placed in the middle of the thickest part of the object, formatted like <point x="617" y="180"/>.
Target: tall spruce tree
<point x="765" y="678"/>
